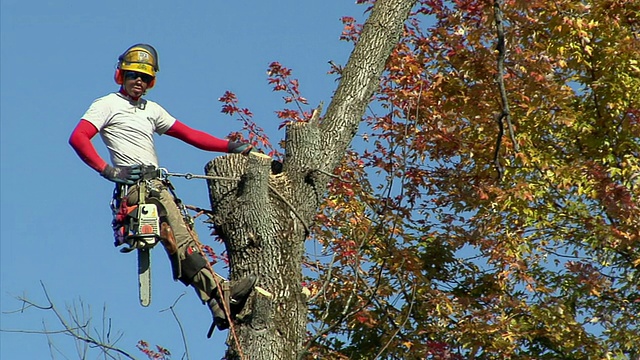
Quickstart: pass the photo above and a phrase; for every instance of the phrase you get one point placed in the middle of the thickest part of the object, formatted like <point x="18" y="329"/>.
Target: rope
<point x="196" y="240"/>
<point x="225" y="304"/>
<point x="190" y="176"/>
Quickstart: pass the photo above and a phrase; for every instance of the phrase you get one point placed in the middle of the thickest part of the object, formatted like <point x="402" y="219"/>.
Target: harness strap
<point x="151" y="172"/>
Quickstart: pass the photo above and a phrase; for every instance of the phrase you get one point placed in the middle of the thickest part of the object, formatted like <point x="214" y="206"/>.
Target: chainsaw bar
<point x="144" y="276"/>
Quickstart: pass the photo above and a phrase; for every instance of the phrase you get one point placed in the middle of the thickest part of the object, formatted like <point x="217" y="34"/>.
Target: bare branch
<point x="175" y="316"/>
<point x="74" y="326"/>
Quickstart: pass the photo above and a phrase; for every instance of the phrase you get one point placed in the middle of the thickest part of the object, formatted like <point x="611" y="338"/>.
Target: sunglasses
<point x="133" y="75"/>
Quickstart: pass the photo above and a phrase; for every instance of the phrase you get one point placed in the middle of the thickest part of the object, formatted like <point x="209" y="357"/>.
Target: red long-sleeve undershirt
<point x="197" y="138"/>
<point x="80" y="141"/>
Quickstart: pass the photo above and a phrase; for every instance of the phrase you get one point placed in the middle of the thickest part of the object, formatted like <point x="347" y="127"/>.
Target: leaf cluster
<point x="423" y="250"/>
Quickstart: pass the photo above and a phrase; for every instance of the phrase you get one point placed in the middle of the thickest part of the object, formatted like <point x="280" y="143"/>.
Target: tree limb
<point x="505" y="113"/>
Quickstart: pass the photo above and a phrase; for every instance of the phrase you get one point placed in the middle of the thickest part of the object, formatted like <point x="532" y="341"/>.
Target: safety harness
<point x="138" y="225"/>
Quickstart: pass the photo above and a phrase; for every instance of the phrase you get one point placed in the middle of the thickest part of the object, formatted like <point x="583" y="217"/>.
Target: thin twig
<point x="413" y="295"/>
<point x="182" y="333"/>
<point x="326" y="281"/>
<point x="505" y="112"/>
<point x="332" y="175"/>
<point x="75" y="332"/>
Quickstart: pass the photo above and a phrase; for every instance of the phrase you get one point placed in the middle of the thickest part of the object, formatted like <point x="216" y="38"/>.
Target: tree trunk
<point x="264" y="218"/>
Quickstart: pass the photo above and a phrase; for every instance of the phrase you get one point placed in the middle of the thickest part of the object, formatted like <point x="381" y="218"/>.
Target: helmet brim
<point x="139" y="67"/>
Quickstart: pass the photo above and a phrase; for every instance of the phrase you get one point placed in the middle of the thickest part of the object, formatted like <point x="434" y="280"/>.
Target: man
<point x="127" y="122"/>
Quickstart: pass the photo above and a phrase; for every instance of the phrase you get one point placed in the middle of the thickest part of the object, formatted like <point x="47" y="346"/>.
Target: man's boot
<point x="219" y="318"/>
<point x="241" y="289"/>
<point x="236" y="298"/>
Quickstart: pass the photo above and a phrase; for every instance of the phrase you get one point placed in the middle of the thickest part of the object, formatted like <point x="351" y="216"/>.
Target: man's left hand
<point x="239" y="148"/>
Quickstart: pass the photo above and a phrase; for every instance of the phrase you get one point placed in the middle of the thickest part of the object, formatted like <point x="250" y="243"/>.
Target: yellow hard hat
<point x="141" y="58"/>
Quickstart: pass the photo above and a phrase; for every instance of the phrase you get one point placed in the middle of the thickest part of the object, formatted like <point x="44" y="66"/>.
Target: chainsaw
<point x="138" y="227"/>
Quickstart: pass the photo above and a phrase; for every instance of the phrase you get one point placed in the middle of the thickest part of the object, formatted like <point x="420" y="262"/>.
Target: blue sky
<point x="56" y="58"/>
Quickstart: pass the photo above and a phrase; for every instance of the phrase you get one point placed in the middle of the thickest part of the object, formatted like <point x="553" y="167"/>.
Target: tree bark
<point x="264" y="218"/>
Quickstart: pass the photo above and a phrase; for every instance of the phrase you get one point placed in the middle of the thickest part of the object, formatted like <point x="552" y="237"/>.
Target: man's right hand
<point x="127" y="175"/>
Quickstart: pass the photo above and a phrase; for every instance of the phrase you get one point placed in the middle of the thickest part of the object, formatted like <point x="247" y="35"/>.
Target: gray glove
<point x="127" y="175"/>
<point x="239" y="148"/>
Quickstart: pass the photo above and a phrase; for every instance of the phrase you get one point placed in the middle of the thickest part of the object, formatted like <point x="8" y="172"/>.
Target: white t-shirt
<point x="127" y="128"/>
